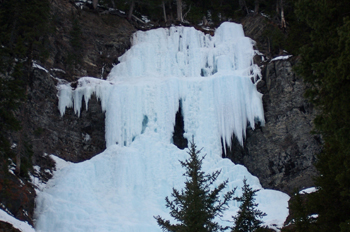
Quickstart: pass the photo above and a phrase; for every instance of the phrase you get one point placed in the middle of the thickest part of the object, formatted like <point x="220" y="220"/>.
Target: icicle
<point x="215" y="75"/>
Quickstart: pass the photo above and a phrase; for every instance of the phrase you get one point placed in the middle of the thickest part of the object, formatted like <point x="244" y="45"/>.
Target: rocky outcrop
<point x="7" y="227"/>
<point x="282" y="152"/>
<point x="254" y="27"/>
<point x="17" y="197"/>
<point x="85" y="42"/>
<point x="70" y="137"/>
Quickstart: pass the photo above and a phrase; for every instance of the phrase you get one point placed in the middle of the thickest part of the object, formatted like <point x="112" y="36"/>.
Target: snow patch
<point x="58" y="70"/>
<point x="308" y="190"/>
<point x="86" y="137"/>
<point x="35" y="65"/>
<point x="281" y="58"/>
<point x="21" y="225"/>
<point x="14" y="145"/>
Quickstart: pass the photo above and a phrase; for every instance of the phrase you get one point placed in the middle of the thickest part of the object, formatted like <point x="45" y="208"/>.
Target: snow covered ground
<point x="123" y="188"/>
<point x="22" y="226"/>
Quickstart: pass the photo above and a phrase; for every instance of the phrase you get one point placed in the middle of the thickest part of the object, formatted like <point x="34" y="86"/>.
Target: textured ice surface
<point x="122" y="188"/>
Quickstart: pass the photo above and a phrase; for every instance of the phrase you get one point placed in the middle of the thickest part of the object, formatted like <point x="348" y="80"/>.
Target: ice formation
<point x="121" y="189"/>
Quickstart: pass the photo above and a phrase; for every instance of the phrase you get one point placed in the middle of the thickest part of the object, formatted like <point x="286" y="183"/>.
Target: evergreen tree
<point x="325" y="63"/>
<point x="196" y="206"/>
<point x="24" y="28"/>
<point x="299" y="211"/>
<point x="248" y="216"/>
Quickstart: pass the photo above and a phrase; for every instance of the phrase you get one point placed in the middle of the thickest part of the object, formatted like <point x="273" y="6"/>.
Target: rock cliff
<point x="282" y="152"/>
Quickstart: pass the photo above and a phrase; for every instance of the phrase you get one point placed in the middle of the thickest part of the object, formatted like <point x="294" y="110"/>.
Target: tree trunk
<point x="243" y="6"/>
<point x="94" y="3"/>
<point x="278" y="7"/>
<point x="179" y="10"/>
<point x="283" y="20"/>
<point x="205" y="21"/>
<point x="163" y="5"/>
<point x="256" y="9"/>
<point x="132" y="5"/>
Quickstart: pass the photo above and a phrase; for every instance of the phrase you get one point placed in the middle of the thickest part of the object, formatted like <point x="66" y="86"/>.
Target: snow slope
<point x="20" y="225"/>
<point x="121" y="189"/>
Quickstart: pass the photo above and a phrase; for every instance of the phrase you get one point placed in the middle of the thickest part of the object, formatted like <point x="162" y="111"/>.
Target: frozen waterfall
<point x="212" y="77"/>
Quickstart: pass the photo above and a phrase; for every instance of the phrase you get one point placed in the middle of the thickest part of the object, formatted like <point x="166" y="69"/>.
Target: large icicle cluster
<point x="214" y="77"/>
<point x="121" y="189"/>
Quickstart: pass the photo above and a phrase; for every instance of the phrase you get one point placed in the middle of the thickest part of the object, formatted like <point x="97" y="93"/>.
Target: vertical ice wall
<point x="214" y="77"/>
<point x="122" y="188"/>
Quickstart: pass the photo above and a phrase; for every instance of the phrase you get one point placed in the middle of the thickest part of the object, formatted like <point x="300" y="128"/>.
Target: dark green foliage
<point x="196" y="206"/>
<point x="24" y="27"/>
<point x="325" y="67"/>
<point x="26" y="154"/>
<point x="276" y="39"/>
<point x="76" y="55"/>
<point x="11" y="94"/>
<point x="248" y="216"/>
<point x="300" y="211"/>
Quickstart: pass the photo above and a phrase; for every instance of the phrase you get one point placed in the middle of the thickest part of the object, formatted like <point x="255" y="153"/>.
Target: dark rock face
<point x="254" y="27"/>
<point x="282" y="152"/>
<point x="7" y="227"/>
<point x="17" y="197"/>
<point x="69" y="137"/>
<point x="103" y="38"/>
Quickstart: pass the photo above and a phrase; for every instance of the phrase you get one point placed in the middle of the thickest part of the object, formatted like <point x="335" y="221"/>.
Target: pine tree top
<point x="196" y="205"/>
